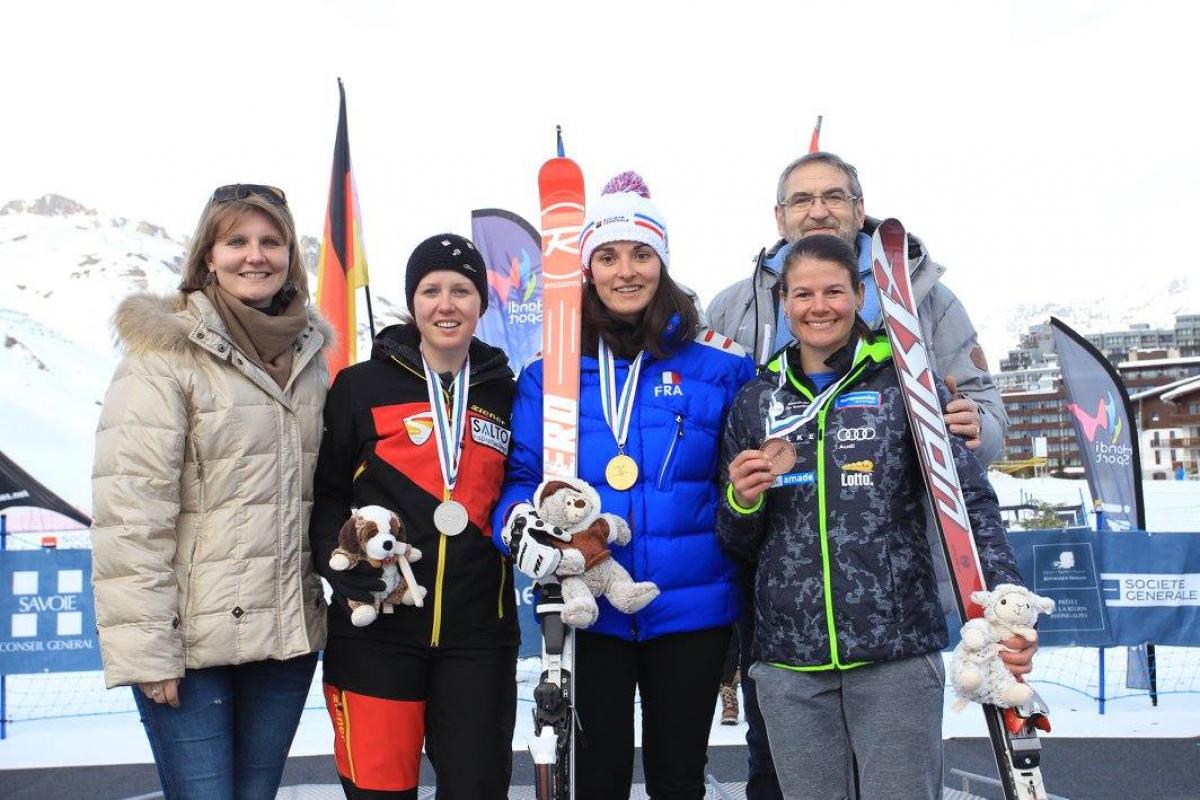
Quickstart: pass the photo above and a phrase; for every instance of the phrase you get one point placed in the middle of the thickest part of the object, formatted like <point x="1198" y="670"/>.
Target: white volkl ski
<point x="1013" y="732"/>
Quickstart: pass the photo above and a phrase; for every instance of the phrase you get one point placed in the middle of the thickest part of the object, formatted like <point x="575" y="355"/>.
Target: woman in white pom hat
<point x="654" y="391"/>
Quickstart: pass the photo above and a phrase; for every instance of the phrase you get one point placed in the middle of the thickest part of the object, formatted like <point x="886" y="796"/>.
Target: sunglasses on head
<point x="240" y="191"/>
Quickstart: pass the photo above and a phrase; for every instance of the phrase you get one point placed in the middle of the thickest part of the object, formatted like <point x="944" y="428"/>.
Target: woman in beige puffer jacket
<point x="205" y="592"/>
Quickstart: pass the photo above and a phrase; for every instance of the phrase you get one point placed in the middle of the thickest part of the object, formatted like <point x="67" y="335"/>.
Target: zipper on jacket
<point x="503" y="583"/>
<point x="662" y="473"/>
<point x="443" y="543"/>
<point x="826" y="573"/>
<point x="826" y="577"/>
<point x="435" y="638"/>
<point x="202" y="512"/>
<point x="435" y="635"/>
<point x="475" y="380"/>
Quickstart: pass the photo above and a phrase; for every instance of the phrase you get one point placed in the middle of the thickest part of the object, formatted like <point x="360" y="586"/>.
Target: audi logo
<point x="855" y="434"/>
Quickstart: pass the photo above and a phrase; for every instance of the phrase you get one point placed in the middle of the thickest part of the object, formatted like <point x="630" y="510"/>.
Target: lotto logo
<point x="61" y="599"/>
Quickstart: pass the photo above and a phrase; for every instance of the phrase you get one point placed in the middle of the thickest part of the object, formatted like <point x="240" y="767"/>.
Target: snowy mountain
<point x="1094" y="310"/>
<point x="63" y="270"/>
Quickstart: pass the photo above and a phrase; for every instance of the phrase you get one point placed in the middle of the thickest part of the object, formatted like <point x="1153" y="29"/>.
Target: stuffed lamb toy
<point x="977" y="673"/>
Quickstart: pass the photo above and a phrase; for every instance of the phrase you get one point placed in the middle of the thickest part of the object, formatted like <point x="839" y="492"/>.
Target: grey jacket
<point x="746" y="312"/>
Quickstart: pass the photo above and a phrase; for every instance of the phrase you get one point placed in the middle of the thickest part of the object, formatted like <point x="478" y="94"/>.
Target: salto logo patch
<point x="490" y="434"/>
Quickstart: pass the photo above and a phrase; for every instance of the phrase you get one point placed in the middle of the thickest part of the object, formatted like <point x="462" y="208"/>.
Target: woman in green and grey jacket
<point x="825" y="496"/>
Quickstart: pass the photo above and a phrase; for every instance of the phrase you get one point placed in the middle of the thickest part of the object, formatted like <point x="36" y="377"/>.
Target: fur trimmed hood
<point x="148" y="323"/>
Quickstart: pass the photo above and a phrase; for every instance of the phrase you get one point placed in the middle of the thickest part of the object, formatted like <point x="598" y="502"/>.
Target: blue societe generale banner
<point x="1114" y="587"/>
<point x="47" y="613"/>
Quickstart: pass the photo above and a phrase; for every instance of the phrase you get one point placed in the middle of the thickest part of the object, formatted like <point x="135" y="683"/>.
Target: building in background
<point x="1036" y="347"/>
<point x="1160" y="368"/>
<point x="1169" y="422"/>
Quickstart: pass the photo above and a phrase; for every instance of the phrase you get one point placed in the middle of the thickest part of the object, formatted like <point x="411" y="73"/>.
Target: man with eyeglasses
<point x="820" y="193"/>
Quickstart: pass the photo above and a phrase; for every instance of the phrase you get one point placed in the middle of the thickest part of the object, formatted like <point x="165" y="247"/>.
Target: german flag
<point x="342" y="268"/>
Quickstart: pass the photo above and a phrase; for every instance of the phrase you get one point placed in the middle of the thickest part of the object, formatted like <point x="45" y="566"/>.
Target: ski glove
<point x="530" y="556"/>
<point x="356" y="583"/>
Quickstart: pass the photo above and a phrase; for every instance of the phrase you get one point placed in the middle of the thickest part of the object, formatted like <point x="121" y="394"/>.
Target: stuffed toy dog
<point x="587" y="569"/>
<point x="976" y="672"/>
<point x="376" y="535"/>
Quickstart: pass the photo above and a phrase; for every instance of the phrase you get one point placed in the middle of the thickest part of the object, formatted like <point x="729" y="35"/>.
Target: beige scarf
<point x="264" y="339"/>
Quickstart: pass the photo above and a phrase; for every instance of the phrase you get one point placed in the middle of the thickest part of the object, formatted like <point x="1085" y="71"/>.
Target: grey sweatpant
<point x="889" y="715"/>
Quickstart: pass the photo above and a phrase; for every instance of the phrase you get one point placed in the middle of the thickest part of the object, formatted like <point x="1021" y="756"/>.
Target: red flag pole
<point x="814" y="144"/>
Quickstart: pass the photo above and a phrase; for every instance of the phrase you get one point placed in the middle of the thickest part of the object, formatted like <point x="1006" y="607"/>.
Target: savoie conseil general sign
<point x="47" y="614"/>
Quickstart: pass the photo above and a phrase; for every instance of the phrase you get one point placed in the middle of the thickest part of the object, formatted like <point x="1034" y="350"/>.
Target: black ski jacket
<point x="379" y="449"/>
<point x="844" y="573"/>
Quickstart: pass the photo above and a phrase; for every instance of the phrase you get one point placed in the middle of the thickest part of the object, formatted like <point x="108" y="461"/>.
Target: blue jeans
<point x="230" y="736"/>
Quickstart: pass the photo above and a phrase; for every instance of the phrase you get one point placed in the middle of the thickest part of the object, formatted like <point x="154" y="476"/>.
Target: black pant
<point x="733" y="658"/>
<point x="678" y="676"/>
<point x="761" y="783"/>
<point x="386" y="697"/>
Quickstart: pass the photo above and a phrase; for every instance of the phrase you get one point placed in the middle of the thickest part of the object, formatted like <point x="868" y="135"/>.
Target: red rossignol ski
<point x="1014" y="737"/>
<point x="560" y="184"/>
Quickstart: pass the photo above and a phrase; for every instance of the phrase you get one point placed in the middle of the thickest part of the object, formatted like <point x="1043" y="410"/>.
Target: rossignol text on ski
<point x="560" y="185"/>
<point x="1012" y="731"/>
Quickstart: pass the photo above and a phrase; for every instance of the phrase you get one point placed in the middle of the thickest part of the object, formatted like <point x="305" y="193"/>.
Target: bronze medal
<point x="780" y="453"/>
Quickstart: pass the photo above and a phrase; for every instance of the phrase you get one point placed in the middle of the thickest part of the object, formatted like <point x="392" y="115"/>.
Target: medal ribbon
<point x="448" y="433"/>
<point x="618" y="411"/>
<point x="780" y="427"/>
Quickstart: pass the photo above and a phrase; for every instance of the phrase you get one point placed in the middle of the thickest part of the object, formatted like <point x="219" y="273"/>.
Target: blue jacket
<point x="674" y="436"/>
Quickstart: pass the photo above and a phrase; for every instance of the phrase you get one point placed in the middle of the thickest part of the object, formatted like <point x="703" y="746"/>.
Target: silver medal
<point x="450" y="517"/>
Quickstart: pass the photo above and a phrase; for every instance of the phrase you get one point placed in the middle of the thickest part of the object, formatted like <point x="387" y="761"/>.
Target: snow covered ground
<point x="117" y="738"/>
<point x="103" y="728"/>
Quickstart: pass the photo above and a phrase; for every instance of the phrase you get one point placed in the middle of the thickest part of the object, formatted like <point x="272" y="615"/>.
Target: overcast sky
<point x="1042" y="150"/>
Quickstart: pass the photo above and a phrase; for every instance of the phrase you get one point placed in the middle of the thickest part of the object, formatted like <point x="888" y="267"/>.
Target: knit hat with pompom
<point x="624" y="213"/>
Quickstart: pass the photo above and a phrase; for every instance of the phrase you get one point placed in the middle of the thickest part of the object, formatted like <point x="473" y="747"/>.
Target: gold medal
<point x="621" y="472"/>
<point x="780" y="453"/>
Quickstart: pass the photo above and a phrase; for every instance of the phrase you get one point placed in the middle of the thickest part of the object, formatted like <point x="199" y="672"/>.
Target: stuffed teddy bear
<point x="976" y="672"/>
<point x="376" y="535"/>
<point x="587" y="569"/>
